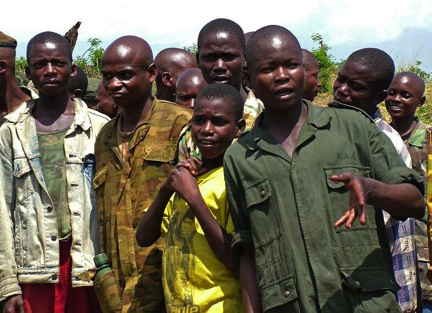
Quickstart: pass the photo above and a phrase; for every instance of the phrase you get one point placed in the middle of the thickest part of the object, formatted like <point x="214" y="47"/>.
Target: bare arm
<point x="219" y="240"/>
<point x="250" y="291"/>
<point x="400" y="200"/>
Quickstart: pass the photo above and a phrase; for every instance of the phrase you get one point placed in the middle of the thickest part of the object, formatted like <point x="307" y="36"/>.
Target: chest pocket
<point x="339" y="195"/>
<point x="163" y="152"/>
<point x="263" y="213"/>
<point x="23" y="179"/>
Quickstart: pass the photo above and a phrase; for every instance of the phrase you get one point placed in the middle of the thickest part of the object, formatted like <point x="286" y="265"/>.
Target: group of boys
<point x="254" y="226"/>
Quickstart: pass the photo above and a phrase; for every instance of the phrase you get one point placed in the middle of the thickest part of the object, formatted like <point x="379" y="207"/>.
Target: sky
<point x="403" y="28"/>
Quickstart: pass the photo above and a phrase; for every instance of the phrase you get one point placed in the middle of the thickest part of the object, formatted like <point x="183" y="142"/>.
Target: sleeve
<point x="388" y="166"/>
<point x="236" y="203"/>
<point x="8" y="269"/>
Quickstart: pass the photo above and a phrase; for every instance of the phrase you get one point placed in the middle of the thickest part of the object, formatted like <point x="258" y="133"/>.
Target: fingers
<point x="192" y="164"/>
<point x="343" y="219"/>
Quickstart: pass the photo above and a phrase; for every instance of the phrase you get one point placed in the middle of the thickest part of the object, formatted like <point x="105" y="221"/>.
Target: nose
<point x="341" y="88"/>
<point x="208" y="128"/>
<point x="113" y="84"/>
<point x="219" y="64"/>
<point x="49" y="69"/>
<point x="281" y="74"/>
<point x="319" y="83"/>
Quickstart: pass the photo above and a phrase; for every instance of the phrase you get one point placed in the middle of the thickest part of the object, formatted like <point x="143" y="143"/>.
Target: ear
<point x="3" y="66"/>
<point x="422" y="101"/>
<point x="166" y="79"/>
<point x="152" y="72"/>
<point x="73" y="70"/>
<point x="78" y="93"/>
<point x="27" y="72"/>
<point x="241" y="125"/>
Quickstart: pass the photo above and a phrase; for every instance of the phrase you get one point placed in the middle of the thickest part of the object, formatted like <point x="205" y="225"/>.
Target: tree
<point x="326" y="63"/>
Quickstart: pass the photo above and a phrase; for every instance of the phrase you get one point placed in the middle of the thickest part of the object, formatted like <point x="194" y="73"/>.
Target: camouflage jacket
<point x="418" y="145"/>
<point x="187" y="148"/>
<point x="126" y="189"/>
<point x="29" y="245"/>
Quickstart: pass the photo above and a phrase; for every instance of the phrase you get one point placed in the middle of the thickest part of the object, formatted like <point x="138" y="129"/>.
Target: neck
<point x="54" y="105"/>
<point x="134" y="115"/>
<point x="12" y="97"/>
<point x="243" y="92"/>
<point x="211" y="164"/>
<point x="404" y="126"/>
<point x="283" y="121"/>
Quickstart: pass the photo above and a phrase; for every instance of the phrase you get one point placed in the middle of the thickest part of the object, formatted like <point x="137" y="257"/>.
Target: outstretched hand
<point x="357" y="202"/>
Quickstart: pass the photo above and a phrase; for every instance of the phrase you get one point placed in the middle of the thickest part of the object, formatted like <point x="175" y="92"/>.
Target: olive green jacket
<point x="286" y="207"/>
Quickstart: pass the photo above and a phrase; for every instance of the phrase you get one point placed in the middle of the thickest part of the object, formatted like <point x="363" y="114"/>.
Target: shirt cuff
<point x="241" y="239"/>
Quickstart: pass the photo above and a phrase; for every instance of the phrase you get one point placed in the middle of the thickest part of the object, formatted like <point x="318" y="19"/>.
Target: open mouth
<point x="283" y="93"/>
<point x="220" y="79"/>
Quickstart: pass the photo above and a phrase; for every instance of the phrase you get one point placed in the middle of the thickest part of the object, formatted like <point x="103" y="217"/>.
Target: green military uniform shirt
<point x="286" y="206"/>
<point x="125" y="188"/>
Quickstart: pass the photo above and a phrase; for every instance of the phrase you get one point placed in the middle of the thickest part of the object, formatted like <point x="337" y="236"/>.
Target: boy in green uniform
<point x="199" y="270"/>
<point x="221" y="56"/>
<point x="404" y="96"/>
<point x="134" y="155"/>
<point x="292" y="177"/>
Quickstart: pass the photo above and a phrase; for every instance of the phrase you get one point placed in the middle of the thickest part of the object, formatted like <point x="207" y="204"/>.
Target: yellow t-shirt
<point x="194" y="279"/>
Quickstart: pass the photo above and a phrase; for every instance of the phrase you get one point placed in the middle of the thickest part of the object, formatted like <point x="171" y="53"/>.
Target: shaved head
<point x="189" y="84"/>
<point x="417" y="82"/>
<point x="309" y="60"/>
<point x="130" y="46"/>
<point x="171" y="59"/>
<point x="170" y="63"/>
<point x="274" y="35"/>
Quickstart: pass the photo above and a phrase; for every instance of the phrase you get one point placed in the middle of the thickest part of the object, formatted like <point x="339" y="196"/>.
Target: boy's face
<point x="356" y="86"/>
<point x="312" y="82"/>
<point x="125" y="78"/>
<point x="221" y="59"/>
<point x="50" y="67"/>
<point x="277" y="73"/>
<point x="187" y="90"/>
<point x="214" y="127"/>
<point x="404" y="97"/>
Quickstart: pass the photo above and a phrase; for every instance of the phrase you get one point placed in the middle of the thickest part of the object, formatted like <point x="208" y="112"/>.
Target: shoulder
<point x="171" y="109"/>
<point x="97" y="116"/>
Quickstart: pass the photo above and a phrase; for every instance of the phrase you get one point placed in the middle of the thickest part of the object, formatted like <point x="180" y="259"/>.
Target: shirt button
<point x="49" y="209"/>
<point x="53" y="237"/>
<point x="286" y="294"/>
<point x="262" y="193"/>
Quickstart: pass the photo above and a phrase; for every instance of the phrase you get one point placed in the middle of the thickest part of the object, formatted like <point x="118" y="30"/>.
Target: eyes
<point x="213" y="57"/>
<point x="271" y="67"/>
<point x="214" y="120"/>
<point x="123" y="75"/>
<point x="403" y="94"/>
<point x="42" y="63"/>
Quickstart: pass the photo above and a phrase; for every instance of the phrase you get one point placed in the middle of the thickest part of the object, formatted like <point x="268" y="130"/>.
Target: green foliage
<point x="327" y="65"/>
<point x="415" y="68"/>
<point x="90" y="60"/>
<point x="21" y="64"/>
<point x="193" y="48"/>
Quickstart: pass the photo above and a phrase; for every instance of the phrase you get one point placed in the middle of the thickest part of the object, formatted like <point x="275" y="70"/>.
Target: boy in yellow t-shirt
<point x="199" y="272"/>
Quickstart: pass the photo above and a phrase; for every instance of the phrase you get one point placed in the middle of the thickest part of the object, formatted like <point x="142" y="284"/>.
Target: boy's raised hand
<point x="192" y="165"/>
<point x="184" y="183"/>
<point x="357" y="203"/>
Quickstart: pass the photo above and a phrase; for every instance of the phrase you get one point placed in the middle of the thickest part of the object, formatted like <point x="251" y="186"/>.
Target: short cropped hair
<point x="222" y="25"/>
<point x="80" y="81"/>
<point x="377" y="60"/>
<point x="49" y="37"/>
<point x="226" y="93"/>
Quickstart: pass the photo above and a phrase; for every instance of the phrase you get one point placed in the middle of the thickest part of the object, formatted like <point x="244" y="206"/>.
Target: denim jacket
<point x="29" y="241"/>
